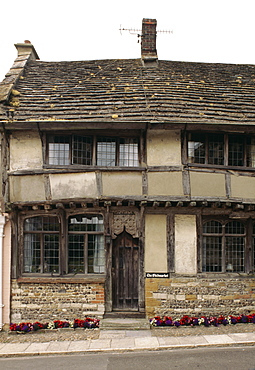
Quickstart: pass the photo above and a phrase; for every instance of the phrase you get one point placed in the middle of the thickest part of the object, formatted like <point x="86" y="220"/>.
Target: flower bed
<point x="26" y="327"/>
<point x="206" y="321"/>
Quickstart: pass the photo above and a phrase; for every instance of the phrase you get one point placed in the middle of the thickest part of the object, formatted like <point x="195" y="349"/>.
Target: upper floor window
<point x="220" y="149"/>
<point x="91" y="150"/>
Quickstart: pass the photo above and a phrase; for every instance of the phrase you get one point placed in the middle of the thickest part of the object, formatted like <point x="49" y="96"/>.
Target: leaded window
<point x="41" y="245"/>
<point x="86" y="244"/>
<point x="221" y="149"/>
<point x="93" y="150"/>
<point x="223" y="247"/>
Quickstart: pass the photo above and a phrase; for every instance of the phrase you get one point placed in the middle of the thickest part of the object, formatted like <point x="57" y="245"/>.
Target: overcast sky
<point x="221" y="31"/>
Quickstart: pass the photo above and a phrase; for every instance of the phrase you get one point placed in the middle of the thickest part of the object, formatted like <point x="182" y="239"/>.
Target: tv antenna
<point x="138" y="32"/>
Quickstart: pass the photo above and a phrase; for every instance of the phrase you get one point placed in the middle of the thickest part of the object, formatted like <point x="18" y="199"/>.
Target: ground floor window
<point x="85" y="244"/>
<point x="47" y="248"/>
<point x="228" y="246"/>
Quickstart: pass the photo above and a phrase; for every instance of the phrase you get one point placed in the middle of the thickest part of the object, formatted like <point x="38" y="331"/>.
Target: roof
<point x="128" y="91"/>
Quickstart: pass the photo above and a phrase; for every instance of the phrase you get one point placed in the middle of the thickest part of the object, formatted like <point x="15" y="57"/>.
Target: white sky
<point x="221" y="31"/>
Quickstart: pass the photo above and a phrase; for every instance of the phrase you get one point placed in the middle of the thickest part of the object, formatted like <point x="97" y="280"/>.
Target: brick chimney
<point x="148" y="44"/>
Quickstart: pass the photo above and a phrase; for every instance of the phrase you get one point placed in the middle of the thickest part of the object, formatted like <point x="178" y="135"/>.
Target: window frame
<point x="247" y="152"/>
<point x="95" y="139"/>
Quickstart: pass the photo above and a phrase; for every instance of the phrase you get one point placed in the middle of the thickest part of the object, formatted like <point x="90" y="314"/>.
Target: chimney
<point x="148" y="44"/>
<point x="27" y="49"/>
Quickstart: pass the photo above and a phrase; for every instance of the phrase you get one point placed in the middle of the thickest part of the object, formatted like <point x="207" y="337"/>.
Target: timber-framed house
<point x="128" y="186"/>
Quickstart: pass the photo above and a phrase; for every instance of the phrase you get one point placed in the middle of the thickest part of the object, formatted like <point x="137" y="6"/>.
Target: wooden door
<point x="125" y="258"/>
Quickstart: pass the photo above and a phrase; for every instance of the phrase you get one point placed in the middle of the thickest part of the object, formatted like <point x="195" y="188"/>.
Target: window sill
<point x="225" y="275"/>
<point x="220" y="167"/>
<point x="71" y="279"/>
<point x="93" y="168"/>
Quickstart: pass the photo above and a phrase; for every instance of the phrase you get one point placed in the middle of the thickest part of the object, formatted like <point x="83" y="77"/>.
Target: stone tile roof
<point x="126" y="91"/>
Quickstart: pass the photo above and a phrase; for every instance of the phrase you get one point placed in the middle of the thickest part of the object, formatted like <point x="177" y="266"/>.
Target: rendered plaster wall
<point x="163" y="148"/>
<point x="185" y="244"/>
<point x="25" y="151"/>
<point x="155" y="243"/>
<point x="195" y="296"/>
<point x="165" y="183"/>
<point x="243" y="187"/>
<point x="207" y="184"/>
<point x="121" y="183"/>
<point x="27" y="188"/>
<point x="6" y="271"/>
<point x="75" y="185"/>
<point x="56" y="301"/>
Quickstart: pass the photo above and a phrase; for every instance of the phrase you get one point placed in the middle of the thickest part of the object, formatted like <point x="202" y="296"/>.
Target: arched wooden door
<point x="125" y="262"/>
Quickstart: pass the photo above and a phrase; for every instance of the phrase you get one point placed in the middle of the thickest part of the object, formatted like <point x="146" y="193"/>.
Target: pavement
<point x="124" y="340"/>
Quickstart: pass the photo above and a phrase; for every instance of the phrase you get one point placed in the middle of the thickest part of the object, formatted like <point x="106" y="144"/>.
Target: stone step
<point x="124" y="324"/>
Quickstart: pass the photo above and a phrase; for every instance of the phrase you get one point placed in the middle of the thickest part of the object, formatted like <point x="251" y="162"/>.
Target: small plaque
<point x="160" y="275"/>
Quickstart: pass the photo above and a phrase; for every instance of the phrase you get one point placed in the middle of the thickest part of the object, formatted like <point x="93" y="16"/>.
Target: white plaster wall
<point x="155" y="243"/>
<point x="75" y="185"/>
<point x="25" y="151"/>
<point x="163" y="148"/>
<point x="185" y="244"/>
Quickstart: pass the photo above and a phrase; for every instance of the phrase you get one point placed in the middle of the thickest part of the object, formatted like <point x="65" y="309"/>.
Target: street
<point x="231" y="358"/>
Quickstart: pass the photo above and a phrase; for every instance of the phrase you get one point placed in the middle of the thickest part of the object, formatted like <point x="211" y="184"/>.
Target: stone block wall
<point x="199" y="296"/>
<point x="56" y="301"/>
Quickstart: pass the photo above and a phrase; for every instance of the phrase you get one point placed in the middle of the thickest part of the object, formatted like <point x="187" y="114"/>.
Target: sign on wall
<point x="157" y="275"/>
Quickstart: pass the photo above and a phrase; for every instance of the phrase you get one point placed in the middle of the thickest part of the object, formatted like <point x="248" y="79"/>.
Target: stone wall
<point x="199" y="296"/>
<point x="56" y="301"/>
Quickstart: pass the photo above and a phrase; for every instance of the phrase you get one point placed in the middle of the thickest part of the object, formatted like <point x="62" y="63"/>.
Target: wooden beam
<point x="180" y="204"/>
<point x="168" y="204"/>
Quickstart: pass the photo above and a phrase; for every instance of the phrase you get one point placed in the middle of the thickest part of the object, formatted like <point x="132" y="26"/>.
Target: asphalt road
<point x="231" y="358"/>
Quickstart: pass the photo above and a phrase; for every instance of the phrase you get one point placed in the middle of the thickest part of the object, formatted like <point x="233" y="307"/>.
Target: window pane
<point x="41" y="244"/>
<point x="234" y="247"/>
<point x="41" y="224"/>
<point x="234" y="253"/>
<point x="251" y="151"/>
<point x="59" y="150"/>
<point x="86" y="223"/>
<point x="32" y="253"/>
<point x="96" y="255"/>
<point x="196" y="148"/>
<point x="235" y="227"/>
<point x="216" y="149"/>
<point x="128" y="155"/>
<point x="76" y="254"/>
<point x="51" y="253"/>
<point x="82" y="150"/>
<point x="235" y="151"/>
<point x="212" y="227"/>
<point x="212" y="254"/>
<point x="106" y="152"/>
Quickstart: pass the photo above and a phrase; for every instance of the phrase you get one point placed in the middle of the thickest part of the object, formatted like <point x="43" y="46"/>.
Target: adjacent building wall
<point x="6" y="271"/>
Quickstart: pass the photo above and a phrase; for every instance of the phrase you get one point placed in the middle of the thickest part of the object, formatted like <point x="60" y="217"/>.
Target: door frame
<point x="109" y="250"/>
